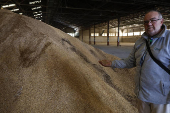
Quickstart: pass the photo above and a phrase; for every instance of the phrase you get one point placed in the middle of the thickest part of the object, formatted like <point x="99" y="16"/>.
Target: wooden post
<point x="108" y="33"/>
<point x="82" y="35"/>
<point x="89" y="36"/>
<point x="118" y="32"/>
<point x="94" y="35"/>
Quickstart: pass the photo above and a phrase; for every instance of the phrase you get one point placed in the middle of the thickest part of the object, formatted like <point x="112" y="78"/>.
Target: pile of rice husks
<point x="44" y="70"/>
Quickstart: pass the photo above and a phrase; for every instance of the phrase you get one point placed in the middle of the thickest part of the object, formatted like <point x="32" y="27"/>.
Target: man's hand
<point x="105" y="63"/>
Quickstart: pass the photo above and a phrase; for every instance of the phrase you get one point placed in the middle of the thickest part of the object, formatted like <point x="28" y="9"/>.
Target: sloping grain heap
<point x="44" y="70"/>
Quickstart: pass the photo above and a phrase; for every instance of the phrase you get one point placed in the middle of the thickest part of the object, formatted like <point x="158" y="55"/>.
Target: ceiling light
<point x="36" y="8"/>
<point x="35" y="12"/>
<point x="35" y="2"/>
<point x="39" y="14"/>
<point x="10" y="5"/>
<point x="15" y="10"/>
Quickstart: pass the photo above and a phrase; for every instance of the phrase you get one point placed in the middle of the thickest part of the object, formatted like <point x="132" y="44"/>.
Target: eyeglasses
<point x="152" y="21"/>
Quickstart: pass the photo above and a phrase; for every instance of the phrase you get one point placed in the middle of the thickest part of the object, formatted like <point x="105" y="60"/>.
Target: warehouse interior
<point x="92" y="21"/>
<point x="46" y="67"/>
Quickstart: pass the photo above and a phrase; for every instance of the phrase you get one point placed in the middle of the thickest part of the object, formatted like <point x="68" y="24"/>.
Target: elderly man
<point x="152" y="81"/>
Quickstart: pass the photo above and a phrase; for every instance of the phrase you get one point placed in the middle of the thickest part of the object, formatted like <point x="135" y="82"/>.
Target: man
<point x="152" y="82"/>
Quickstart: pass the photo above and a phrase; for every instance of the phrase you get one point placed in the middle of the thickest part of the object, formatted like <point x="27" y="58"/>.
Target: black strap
<point x="157" y="61"/>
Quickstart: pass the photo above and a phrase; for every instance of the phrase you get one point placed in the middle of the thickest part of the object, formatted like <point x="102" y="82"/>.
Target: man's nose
<point x="149" y="23"/>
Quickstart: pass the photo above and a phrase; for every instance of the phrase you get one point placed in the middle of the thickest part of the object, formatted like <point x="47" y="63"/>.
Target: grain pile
<point x="44" y="70"/>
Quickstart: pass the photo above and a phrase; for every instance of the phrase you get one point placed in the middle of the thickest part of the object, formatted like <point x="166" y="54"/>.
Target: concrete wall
<point x="100" y="39"/>
<point x="130" y="39"/>
<point x="103" y="39"/>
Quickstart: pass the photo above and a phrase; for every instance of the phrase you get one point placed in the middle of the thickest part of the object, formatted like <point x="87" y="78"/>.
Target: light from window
<point x="142" y="32"/>
<point x="71" y="34"/>
<point x="130" y="34"/>
<point x="96" y="34"/>
<point x="104" y="34"/>
<point x="124" y="34"/>
<point x="136" y="33"/>
<point x="111" y="34"/>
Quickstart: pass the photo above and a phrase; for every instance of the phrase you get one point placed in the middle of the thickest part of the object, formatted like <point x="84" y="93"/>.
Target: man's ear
<point x="162" y="21"/>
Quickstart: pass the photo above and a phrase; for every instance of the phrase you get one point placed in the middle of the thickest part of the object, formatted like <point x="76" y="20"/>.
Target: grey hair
<point x="159" y="14"/>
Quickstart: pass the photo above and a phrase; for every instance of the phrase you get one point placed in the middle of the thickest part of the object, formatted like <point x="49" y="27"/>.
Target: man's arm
<point x="123" y="63"/>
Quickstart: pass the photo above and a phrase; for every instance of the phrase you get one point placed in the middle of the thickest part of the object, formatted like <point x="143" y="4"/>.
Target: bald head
<point x="159" y="14"/>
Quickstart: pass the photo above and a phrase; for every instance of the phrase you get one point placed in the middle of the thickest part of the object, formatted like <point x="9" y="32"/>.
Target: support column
<point x="89" y="36"/>
<point x="82" y="35"/>
<point x="118" y="32"/>
<point x="94" y="35"/>
<point x="108" y="33"/>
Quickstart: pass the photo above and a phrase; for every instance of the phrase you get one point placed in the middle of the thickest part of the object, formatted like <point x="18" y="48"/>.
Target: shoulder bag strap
<point x="157" y="61"/>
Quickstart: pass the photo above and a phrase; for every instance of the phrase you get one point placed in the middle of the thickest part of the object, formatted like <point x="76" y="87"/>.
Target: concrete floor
<point x="121" y="51"/>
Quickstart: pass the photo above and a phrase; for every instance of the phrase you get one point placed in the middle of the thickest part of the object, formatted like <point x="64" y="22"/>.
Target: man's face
<point x="152" y="23"/>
